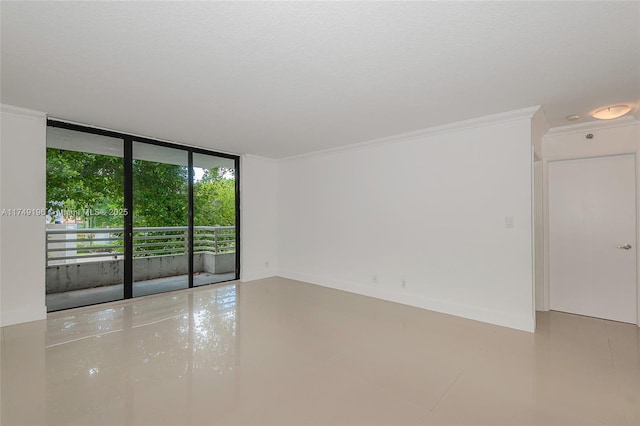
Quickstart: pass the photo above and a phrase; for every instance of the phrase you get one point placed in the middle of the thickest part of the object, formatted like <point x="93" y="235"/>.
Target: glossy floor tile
<point x="282" y="352"/>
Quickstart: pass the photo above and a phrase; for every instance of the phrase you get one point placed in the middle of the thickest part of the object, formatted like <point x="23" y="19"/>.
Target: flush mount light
<point x="611" y="112"/>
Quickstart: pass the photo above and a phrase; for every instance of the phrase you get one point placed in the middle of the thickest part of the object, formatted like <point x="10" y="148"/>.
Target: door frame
<point x="128" y="140"/>
<point x="546" y="290"/>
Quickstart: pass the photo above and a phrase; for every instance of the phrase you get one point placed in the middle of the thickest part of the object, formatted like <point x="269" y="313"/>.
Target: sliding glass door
<point x="161" y="247"/>
<point x="131" y="216"/>
<point x="214" y="218"/>
<point x="85" y="219"/>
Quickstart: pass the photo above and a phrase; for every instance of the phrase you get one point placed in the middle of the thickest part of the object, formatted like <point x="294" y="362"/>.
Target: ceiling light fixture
<point x="573" y="117"/>
<point x="611" y="112"/>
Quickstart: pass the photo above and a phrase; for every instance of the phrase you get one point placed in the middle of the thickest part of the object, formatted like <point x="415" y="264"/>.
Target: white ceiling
<point x="282" y="78"/>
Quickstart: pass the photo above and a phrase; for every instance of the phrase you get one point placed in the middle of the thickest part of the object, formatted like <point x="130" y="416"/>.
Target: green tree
<point x="214" y="198"/>
<point x="80" y="181"/>
<point x="160" y="194"/>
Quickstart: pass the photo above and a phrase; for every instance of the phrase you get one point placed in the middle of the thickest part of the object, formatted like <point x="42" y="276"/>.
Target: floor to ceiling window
<point x="85" y="219"/>
<point x="129" y="216"/>
<point x="161" y="248"/>
<point x="214" y="218"/>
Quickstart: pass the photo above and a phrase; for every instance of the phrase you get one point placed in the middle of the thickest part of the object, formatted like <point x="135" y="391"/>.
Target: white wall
<point x="427" y="209"/>
<point x="539" y="128"/>
<point x="538" y="227"/>
<point x="621" y="136"/>
<point x="22" y="186"/>
<point x="258" y="193"/>
<point x="609" y="138"/>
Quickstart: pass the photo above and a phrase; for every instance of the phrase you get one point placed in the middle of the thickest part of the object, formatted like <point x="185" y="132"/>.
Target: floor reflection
<point x="278" y="351"/>
<point x="158" y="349"/>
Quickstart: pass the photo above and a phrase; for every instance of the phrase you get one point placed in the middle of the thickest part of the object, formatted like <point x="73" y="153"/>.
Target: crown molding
<point x="503" y="117"/>
<point x="21" y="112"/>
<point x="540" y="118"/>
<point x="627" y="120"/>
<point x="259" y="157"/>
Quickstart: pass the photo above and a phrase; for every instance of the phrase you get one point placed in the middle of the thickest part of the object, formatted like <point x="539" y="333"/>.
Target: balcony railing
<point x="93" y="244"/>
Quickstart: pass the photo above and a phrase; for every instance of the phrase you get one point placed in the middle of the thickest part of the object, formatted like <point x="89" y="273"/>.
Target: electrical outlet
<point x="374" y="279"/>
<point x="508" y="222"/>
<point x="403" y="283"/>
<point x="266" y="264"/>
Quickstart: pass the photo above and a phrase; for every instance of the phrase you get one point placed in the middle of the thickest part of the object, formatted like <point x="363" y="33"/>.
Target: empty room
<point x="327" y="213"/>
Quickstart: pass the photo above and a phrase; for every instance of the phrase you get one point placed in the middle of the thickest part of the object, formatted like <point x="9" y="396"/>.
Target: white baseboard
<point x="252" y="276"/>
<point x="503" y="319"/>
<point x="23" y="315"/>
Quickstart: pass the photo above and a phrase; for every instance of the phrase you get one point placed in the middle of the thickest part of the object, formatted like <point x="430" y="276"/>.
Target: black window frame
<point x="128" y="140"/>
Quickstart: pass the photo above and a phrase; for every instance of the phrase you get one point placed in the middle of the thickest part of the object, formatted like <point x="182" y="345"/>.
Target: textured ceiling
<point x="282" y="78"/>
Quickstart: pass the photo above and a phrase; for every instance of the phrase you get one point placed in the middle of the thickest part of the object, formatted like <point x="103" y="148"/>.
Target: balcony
<point x="86" y="266"/>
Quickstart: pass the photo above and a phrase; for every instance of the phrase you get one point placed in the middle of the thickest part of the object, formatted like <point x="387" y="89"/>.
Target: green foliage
<point x="214" y="199"/>
<point x="160" y="194"/>
<point x="84" y="182"/>
<point x="78" y="182"/>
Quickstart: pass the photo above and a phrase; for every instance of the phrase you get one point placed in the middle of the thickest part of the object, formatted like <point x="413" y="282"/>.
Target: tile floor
<point x="281" y="352"/>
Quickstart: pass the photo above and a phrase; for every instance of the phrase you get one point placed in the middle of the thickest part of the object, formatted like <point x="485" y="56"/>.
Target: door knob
<point x="625" y="247"/>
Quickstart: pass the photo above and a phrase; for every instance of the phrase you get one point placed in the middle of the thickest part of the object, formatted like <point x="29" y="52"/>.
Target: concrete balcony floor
<point x="92" y="296"/>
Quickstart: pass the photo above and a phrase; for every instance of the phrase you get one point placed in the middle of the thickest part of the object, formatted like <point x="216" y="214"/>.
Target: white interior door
<point x="592" y="237"/>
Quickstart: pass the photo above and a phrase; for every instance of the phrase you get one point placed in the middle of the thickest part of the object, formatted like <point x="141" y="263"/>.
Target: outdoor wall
<point x="621" y="136"/>
<point x="218" y="263"/>
<point x="425" y="209"/>
<point x="258" y="179"/>
<point x="22" y="186"/>
<point x="78" y="276"/>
